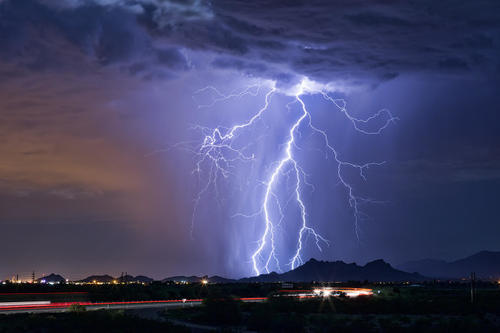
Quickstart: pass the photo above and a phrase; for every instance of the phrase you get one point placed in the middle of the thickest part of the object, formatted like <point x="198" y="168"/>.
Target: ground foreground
<point x="392" y="308"/>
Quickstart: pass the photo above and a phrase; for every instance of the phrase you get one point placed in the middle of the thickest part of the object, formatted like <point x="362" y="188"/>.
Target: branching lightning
<point x="218" y="154"/>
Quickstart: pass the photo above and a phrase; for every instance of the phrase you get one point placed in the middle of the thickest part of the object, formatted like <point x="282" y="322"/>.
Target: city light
<point x="329" y="292"/>
<point x="323" y="292"/>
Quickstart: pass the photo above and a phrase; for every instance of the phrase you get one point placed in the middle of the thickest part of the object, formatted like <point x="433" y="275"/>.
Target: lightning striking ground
<point x="219" y="151"/>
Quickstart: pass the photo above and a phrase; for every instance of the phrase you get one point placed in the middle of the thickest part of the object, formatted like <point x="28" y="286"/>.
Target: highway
<point x="63" y="307"/>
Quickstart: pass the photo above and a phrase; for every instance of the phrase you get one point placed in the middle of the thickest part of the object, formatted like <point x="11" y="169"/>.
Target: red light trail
<point x="62" y="305"/>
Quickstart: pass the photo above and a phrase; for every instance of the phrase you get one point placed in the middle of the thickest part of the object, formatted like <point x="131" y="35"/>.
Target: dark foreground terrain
<point x="438" y="307"/>
<point x="84" y="322"/>
<point x="394" y="309"/>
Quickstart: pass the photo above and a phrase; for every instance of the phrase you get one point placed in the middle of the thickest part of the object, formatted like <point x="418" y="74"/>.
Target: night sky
<point x="98" y="103"/>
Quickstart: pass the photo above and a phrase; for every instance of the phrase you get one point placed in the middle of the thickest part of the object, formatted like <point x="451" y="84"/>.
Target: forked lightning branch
<point x="217" y="157"/>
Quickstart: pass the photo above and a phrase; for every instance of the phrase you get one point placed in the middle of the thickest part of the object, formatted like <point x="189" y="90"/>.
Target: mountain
<point x="143" y="279"/>
<point x="124" y="278"/>
<point x="339" y="271"/>
<point x="486" y="265"/>
<point x="98" y="278"/>
<point x="220" y="279"/>
<point x="137" y="279"/>
<point x="51" y="278"/>
<point x="190" y="279"/>
<point x="197" y="279"/>
<point x="321" y="271"/>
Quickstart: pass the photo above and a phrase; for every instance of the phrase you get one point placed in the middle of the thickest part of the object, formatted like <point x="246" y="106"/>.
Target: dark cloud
<point x="171" y="58"/>
<point x="367" y="40"/>
<point x="40" y="37"/>
<point x="453" y="64"/>
<point x="353" y="41"/>
<point x="240" y="65"/>
<point x="373" y="19"/>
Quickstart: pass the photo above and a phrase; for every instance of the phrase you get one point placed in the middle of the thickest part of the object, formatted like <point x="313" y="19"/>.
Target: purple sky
<point x="93" y="96"/>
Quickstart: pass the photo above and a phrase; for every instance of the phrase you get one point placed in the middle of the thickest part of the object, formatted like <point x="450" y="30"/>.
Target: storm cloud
<point x="350" y="42"/>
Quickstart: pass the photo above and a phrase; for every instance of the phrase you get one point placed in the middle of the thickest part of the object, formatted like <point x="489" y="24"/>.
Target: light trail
<point x="47" y="293"/>
<point x="327" y="292"/>
<point x="66" y="305"/>
<point x="221" y="154"/>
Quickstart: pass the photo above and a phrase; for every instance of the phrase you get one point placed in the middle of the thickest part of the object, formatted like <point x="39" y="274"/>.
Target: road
<point x="63" y="307"/>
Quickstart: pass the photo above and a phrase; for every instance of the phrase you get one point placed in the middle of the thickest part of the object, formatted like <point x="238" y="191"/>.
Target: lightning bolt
<point x="219" y="151"/>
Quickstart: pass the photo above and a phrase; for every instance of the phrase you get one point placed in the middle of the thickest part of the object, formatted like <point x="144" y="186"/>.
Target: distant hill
<point x="339" y="271"/>
<point x="110" y="279"/>
<point x="322" y="271"/>
<point x="196" y="279"/>
<point x="98" y="278"/>
<point x="220" y="279"/>
<point x="137" y="279"/>
<point x="52" y="278"/>
<point x="486" y="265"/>
<point x="180" y="278"/>
<point x="144" y="279"/>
